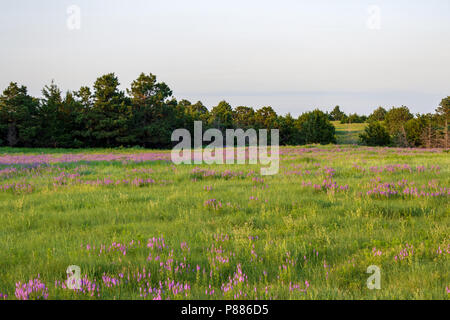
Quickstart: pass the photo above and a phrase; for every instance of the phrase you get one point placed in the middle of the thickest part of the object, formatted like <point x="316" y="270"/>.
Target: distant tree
<point x="85" y="97"/>
<point x="199" y="110"/>
<point x="184" y="116"/>
<point x="443" y="112"/>
<point x="395" y="121"/>
<point x="354" y="118"/>
<point x="396" y="118"/>
<point x="375" y="135"/>
<point x="72" y="121"/>
<point x="414" y="129"/>
<point x="315" y="127"/>
<point x="50" y="128"/>
<point x="266" y="118"/>
<point x="109" y="118"/>
<point x="187" y="113"/>
<point x="85" y="101"/>
<point x="430" y="137"/>
<point x="154" y="115"/>
<point x="194" y="112"/>
<point x="244" y="117"/>
<point x="289" y="134"/>
<point x="146" y="115"/>
<point x="337" y="114"/>
<point x="221" y="116"/>
<point x="18" y="116"/>
<point x="378" y="114"/>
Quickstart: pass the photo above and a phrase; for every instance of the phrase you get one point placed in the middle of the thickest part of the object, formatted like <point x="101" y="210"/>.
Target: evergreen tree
<point x="443" y="112"/>
<point x="289" y="135"/>
<point x="315" y="127"/>
<point x="378" y="114"/>
<point x="154" y="116"/>
<point x="50" y="128"/>
<point x="244" y="117"/>
<point x="337" y="114"/>
<point x="266" y="118"/>
<point x="221" y="116"/>
<point x="109" y="118"/>
<point x="18" y="110"/>
<point x="375" y="135"/>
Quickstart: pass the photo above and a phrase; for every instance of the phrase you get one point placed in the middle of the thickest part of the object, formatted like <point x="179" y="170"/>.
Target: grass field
<point x="348" y="133"/>
<point x="140" y="227"/>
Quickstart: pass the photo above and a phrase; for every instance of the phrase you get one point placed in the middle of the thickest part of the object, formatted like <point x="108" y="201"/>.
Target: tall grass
<point x="226" y="231"/>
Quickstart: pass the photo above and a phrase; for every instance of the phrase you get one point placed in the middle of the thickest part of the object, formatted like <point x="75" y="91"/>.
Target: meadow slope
<point x="140" y="227"/>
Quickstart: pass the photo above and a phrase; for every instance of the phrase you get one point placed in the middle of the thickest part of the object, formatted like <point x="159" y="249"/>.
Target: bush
<point x="378" y="115"/>
<point x="316" y="128"/>
<point x="396" y="118"/>
<point x="375" y="135"/>
<point x="414" y="129"/>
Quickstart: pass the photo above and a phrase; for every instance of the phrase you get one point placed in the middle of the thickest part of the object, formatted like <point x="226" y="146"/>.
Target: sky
<point x="292" y="55"/>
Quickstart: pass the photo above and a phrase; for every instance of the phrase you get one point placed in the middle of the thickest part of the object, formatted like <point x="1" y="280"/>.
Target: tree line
<point x="146" y="114"/>
<point x="399" y="127"/>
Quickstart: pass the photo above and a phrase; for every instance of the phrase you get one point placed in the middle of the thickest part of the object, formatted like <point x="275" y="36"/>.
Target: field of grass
<point x="348" y="133"/>
<point x="140" y="227"/>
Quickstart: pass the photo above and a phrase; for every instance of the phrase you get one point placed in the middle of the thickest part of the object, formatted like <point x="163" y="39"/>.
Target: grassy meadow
<point x="348" y="133"/>
<point x="140" y="227"/>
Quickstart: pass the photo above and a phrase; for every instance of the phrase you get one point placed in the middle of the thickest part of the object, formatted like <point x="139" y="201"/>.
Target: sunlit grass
<point x="348" y="133"/>
<point x="275" y="236"/>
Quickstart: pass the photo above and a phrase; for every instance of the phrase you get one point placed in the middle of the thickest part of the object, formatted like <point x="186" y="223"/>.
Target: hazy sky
<point x="293" y="55"/>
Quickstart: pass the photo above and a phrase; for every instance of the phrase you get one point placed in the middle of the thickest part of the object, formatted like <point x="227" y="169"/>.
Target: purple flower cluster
<point x="253" y="198"/>
<point x="376" y="252"/>
<point x="184" y="247"/>
<point x="393" y="168"/>
<point x="17" y="187"/>
<point x="328" y="172"/>
<point x="327" y="185"/>
<point x="109" y="281"/>
<point x="218" y="255"/>
<point x="79" y="157"/>
<point x="121" y="248"/>
<point x="443" y="251"/>
<point x="72" y="180"/>
<point x="234" y="281"/>
<point x="156" y="243"/>
<point x="198" y="172"/>
<point x="213" y="204"/>
<point x="405" y="189"/>
<point x="298" y="172"/>
<point x="383" y="190"/>
<point x="33" y="289"/>
<point x="297" y="287"/>
<point x="221" y="237"/>
<point x="169" y="287"/>
<point x="406" y="252"/>
<point x="87" y="287"/>
<point x="7" y="172"/>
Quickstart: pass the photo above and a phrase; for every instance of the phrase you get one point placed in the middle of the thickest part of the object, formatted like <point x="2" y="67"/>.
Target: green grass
<point x="291" y="234"/>
<point x="348" y="133"/>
